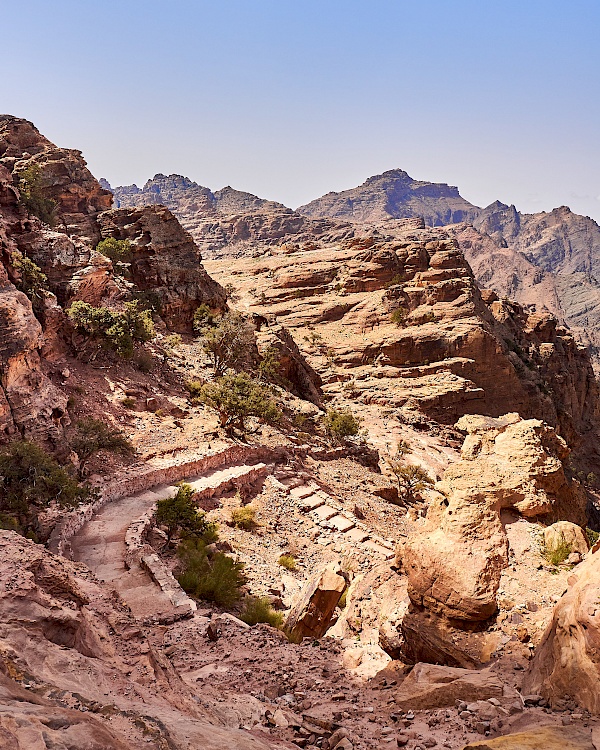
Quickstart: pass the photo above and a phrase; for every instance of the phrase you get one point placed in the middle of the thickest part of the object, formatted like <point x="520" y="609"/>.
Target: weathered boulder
<point x="454" y="565"/>
<point x="311" y="616"/>
<point x="567" y="661"/>
<point x="429" y="686"/>
<point x="540" y="738"/>
<point x="565" y="533"/>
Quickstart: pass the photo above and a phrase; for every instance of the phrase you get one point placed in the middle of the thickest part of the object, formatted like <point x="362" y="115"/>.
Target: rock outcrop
<point x="67" y="643"/>
<point x="566" y="664"/>
<point x="165" y="262"/>
<point x="540" y="738"/>
<point x="454" y="566"/>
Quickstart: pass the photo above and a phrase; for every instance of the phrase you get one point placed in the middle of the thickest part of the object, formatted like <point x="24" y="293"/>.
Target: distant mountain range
<point x="548" y="259"/>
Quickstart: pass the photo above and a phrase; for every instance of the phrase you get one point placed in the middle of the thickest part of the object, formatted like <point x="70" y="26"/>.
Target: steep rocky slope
<point x="384" y="318"/>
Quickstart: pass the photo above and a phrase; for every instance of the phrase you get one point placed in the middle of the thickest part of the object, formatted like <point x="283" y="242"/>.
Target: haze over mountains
<point x="548" y="259"/>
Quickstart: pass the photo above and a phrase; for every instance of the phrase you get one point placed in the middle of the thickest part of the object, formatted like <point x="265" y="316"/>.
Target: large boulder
<point x="540" y="738"/>
<point x="565" y="534"/>
<point x="429" y="686"/>
<point x="311" y="616"/>
<point x="454" y="566"/>
<point x="566" y="664"/>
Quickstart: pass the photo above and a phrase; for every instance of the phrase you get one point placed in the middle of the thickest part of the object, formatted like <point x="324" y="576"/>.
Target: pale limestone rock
<point x="567" y="661"/>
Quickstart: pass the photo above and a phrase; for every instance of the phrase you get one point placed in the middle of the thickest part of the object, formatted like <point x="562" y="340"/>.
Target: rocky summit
<point x="276" y="479"/>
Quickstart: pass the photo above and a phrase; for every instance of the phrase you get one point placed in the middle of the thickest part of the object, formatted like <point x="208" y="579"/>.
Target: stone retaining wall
<point x="140" y="478"/>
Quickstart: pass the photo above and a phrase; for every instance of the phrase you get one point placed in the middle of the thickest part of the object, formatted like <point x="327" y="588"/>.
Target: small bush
<point x="270" y="365"/>
<point x="93" y="435"/>
<point x="411" y="479"/>
<point x="342" y="423"/>
<point x="144" y="362"/>
<point x="592" y="536"/>
<point x="557" y="555"/>
<point x="244" y="518"/>
<point x="399" y="316"/>
<point x="194" y="387"/>
<point x="33" y="282"/>
<point x="30" y="183"/>
<point x="128" y="402"/>
<point x="119" y="251"/>
<point x="117" y="329"/>
<point x="288" y="562"/>
<point x="173" y="341"/>
<point x="203" y="318"/>
<point x="30" y="480"/>
<point x="179" y="514"/>
<point x="214" y="577"/>
<point x="236" y="397"/>
<point x="403" y="448"/>
<point x="259" y="609"/>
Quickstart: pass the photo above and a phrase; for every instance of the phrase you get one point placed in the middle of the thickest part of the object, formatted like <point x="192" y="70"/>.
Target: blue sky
<point x="292" y="99"/>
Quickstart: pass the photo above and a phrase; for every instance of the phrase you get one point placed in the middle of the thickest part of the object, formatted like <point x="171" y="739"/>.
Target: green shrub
<point x="180" y="515"/>
<point x="341" y="423"/>
<point x="119" y="251"/>
<point x="144" y="362"/>
<point x="117" y="329"/>
<point x="203" y="318"/>
<point x="270" y="364"/>
<point x="93" y="435"/>
<point x="174" y="341"/>
<point x="194" y="387"/>
<point x="403" y="447"/>
<point x="214" y="577"/>
<point x="236" y="397"/>
<point x="558" y="554"/>
<point x="259" y="609"/>
<point x="30" y="183"/>
<point x="30" y="480"/>
<point x="592" y="536"/>
<point x="411" y="479"/>
<point x="128" y="402"/>
<point x="33" y="282"/>
<point x="244" y="518"/>
<point x="288" y="562"/>
<point x="399" y="315"/>
<point x="228" y="342"/>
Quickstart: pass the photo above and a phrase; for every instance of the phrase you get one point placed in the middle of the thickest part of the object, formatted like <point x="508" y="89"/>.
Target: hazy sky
<point x="292" y="98"/>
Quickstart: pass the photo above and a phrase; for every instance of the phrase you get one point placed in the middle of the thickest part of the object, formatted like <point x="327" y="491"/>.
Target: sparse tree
<point x="30" y="182"/>
<point x="411" y="479"/>
<point x="179" y="514"/>
<point x="119" y="251"/>
<point x="236" y="397"/>
<point x="33" y="281"/>
<point x="30" y="480"/>
<point x="229" y="342"/>
<point x="341" y="423"/>
<point x="93" y="435"/>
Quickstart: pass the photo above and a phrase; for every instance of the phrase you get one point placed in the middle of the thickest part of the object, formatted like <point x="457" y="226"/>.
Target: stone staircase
<point x="335" y="521"/>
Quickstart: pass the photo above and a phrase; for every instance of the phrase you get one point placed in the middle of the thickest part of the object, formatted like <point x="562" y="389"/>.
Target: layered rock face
<point x="454" y="566"/>
<point x="548" y="259"/>
<point x="567" y="661"/>
<point x="449" y="352"/>
<point x="66" y="178"/>
<point x="29" y="402"/>
<point x="165" y="261"/>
